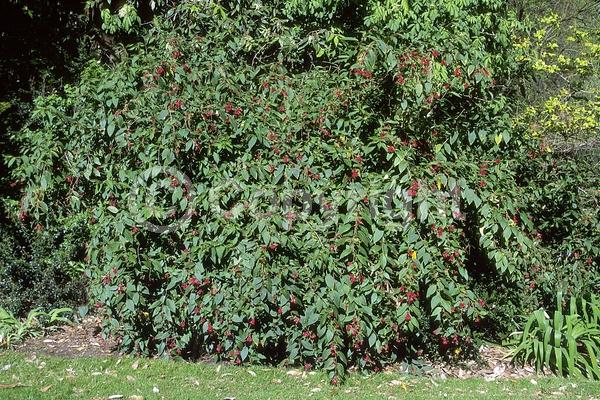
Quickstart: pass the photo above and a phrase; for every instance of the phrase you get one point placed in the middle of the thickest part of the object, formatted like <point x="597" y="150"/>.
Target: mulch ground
<point x="72" y="341"/>
<point x="84" y="340"/>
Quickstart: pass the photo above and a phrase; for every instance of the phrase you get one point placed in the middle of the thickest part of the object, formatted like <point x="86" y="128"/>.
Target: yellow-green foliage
<point x="566" y="60"/>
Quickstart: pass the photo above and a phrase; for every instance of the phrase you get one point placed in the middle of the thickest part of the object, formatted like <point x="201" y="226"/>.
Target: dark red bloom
<point x="440" y="231"/>
<point x="411" y="297"/>
<point x="160" y="71"/>
<point x="457" y="72"/>
<point x="414" y="188"/>
<point x="407" y="317"/>
<point x="325" y="132"/>
<point x="363" y="73"/>
<point x="176" y="54"/>
<point x="354" y="174"/>
<point x="391" y="149"/>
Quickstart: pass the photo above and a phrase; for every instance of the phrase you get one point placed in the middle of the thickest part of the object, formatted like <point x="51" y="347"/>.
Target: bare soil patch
<point x="72" y="341"/>
<point x="84" y="340"/>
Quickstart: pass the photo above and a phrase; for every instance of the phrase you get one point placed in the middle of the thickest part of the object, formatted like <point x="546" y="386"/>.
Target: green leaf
<point x="377" y="235"/>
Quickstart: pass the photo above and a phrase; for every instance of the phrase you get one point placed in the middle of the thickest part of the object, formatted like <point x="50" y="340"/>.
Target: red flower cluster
<point x="309" y="335"/>
<point x="356" y="278"/>
<point x="414" y="189"/>
<point x="177" y="104"/>
<point x="483" y="170"/>
<point x="325" y="132"/>
<point x="229" y="109"/>
<point x="176" y="54"/>
<point x="411" y="297"/>
<point x="363" y="73"/>
<point x="391" y="149"/>
<point x="450" y="257"/>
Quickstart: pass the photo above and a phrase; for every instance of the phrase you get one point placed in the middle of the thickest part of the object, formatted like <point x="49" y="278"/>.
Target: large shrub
<point x="342" y="180"/>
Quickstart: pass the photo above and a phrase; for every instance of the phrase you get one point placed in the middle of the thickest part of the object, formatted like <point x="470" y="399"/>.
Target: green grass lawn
<point x="97" y="378"/>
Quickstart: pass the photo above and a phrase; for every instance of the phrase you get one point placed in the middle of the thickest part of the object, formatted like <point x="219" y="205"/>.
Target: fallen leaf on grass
<point x="135" y="397"/>
<point x="115" y="397"/>
<point x="155" y="390"/>
<point x="10" y="385"/>
<point x="45" y="389"/>
<point x="294" y="372"/>
<point x="252" y="373"/>
<point x="135" y="365"/>
<point x="130" y="378"/>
